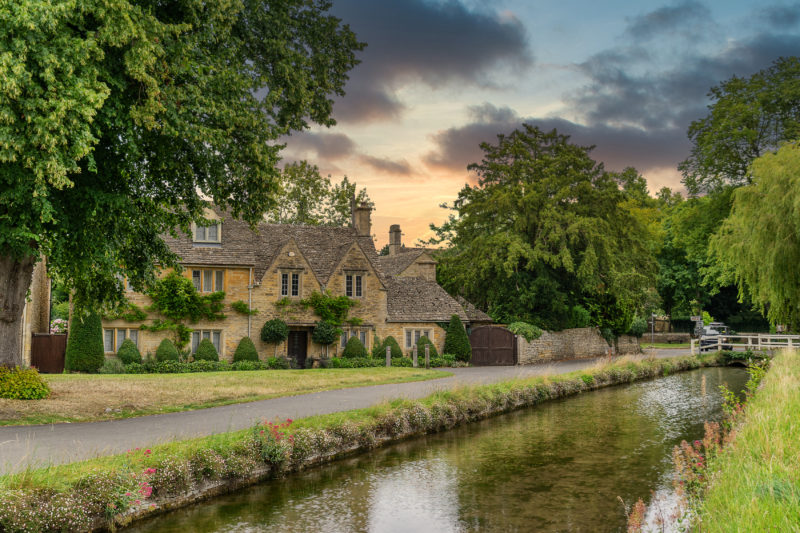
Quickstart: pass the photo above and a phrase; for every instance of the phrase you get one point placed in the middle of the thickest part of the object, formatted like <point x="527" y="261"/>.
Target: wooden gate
<point x="47" y="352"/>
<point x="493" y="346"/>
<point x="297" y="347"/>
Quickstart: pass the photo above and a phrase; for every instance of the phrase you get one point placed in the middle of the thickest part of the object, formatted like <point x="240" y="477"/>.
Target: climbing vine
<point x="129" y="313"/>
<point x="331" y="309"/>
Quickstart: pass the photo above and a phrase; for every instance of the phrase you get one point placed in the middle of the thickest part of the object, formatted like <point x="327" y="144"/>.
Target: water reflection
<point x="558" y="467"/>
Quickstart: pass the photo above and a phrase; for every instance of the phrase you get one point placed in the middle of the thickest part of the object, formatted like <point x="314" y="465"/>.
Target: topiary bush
<point x="378" y="350"/>
<point x="274" y="331"/>
<point x="166" y="351"/>
<point x="205" y="351"/>
<point x="421" y="343"/>
<point x="246" y="351"/>
<point x="85" y="344"/>
<point x="392" y="343"/>
<point x="325" y="333"/>
<point x="128" y="353"/>
<point x="112" y="365"/>
<point x="456" y="341"/>
<point x="22" y="384"/>
<point x="354" y="349"/>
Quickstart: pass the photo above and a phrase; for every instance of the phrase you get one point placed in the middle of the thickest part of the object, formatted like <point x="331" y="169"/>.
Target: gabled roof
<point x="473" y="313"/>
<point x="420" y="300"/>
<point x="236" y="248"/>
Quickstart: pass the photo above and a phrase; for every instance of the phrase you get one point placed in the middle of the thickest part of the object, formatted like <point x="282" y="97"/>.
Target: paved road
<point x="24" y="446"/>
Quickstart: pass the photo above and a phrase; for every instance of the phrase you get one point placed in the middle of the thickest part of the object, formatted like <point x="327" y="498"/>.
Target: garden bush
<point x="135" y="368"/>
<point x="277" y="363"/>
<point x="274" y="331"/>
<point x="206" y="351"/>
<point x="638" y="327"/>
<point x="378" y="351"/>
<point x="128" y="353"/>
<point x="325" y="333"/>
<point x="166" y="351"/>
<point x="528" y="331"/>
<point x="22" y="384"/>
<point x="456" y="341"/>
<point x="391" y="342"/>
<point x="354" y="349"/>
<point x="421" y="343"/>
<point x="112" y="365"/>
<point x="85" y="351"/>
<point x="355" y="362"/>
<point x="246" y="351"/>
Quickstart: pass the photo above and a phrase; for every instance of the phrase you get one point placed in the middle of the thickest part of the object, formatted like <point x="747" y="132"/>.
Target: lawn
<point x="666" y="346"/>
<point x="91" y="397"/>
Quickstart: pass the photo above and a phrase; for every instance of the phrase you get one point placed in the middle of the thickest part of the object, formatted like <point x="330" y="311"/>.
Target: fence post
<point x="427" y="355"/>
<point x="414" y="352"/>
<point x="414" y="357"/>
<point x="388" y="356"/>
<point x="691" y="347"/>
<point x="790" y="342"/>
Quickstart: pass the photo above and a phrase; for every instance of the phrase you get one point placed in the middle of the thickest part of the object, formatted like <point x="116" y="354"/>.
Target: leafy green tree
<point x="128" y="353"/>
<point x="206" y="351"/>
<point x="245" y="351"/>
<point x="543" y="230"/>
<point x="167" y="351"/>
<point x="338" y="207"/>
<point x="274" y="331"/>
<point x="456" y="341"/>
<point x="354" y="348"/>
<point x="85" y="344"/>
<point x="748" y="117"/>
<point x="325" y="333"/>
<point x="759" y="244"/>
<point x="122" y="119"/>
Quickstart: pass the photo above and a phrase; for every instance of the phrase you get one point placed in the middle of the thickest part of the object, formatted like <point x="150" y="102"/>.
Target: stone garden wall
<point x="575" y="343"/>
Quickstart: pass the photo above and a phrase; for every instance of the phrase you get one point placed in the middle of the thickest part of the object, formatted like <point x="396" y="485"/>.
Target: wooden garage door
<point x="493" y="346"/>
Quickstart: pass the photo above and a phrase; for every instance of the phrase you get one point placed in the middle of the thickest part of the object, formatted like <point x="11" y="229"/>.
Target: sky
<point x="438" y="78"/>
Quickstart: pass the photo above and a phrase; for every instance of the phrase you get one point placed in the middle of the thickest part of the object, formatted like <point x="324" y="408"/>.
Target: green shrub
<point x="356" y="362"/>
<point x="128" y="353"/>
<point x="528" y="331"/>
<point x="246" y="351"/>
<point x="85" y="344"/>
<point x="325" y="333"/>
<point x="421" y="348"/>
<point x="166" y="351"/>
<point x="277" y="363"/>
<point x="112" y="365"/>
<point x="404" y="362"/>
<point x="392" y="343"/>
<point x="206" y="351"/>
<point x="580" y="317"/>
<point x="61" y="310"/>
<point x="135" y="368"/>
<point x="248" y="364"/>
<point x="638" y="327"/>
<point x="378" y="351"/>
<point x="22" y="384"/>
<point x="354" y="348"/>
<point x="274" y="331"/>
<point x="456" y="341"/>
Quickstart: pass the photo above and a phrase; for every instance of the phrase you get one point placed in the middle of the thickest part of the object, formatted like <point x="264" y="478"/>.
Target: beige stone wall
<point x="36" y="314"/>
<point x="426" y="270"/>
<point x="675" y="338"/>
<point x="570" y="344"/>
<point x="398" y="329"/>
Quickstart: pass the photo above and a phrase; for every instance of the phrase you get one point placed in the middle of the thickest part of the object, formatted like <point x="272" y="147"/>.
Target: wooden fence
<point x="760" y="341"/>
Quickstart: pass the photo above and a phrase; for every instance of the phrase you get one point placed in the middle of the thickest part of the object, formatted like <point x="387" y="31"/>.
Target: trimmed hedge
<point x="421" y="348"/>
<point x="456" y="340"/>
<point x="166" y="351"/>
<point x="22" y="384"/>
<point x="396" y="350"/>
<point x="112" y="365"/>
<point x="355" y="349"/>
<point x="85" y="351"/>
<point x="176" y="367"/>
<point x="206" y="351"/>
<point x="128" y="353"/>
<point x="246" y="351"/>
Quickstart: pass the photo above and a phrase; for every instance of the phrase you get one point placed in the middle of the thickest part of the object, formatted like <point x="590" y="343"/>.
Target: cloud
<point x="686" y="17"/>
<point x="781" y="17"/>
<point x="415" y="41"/>
<point x="330" y="146"/>
<point x="386" y="165"/>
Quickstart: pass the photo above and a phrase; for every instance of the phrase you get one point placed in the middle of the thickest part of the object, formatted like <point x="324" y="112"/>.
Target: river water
<point x="560" y="466"/>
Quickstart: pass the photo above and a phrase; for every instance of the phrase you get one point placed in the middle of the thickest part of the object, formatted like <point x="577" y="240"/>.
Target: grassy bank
<point x="141" y="482"/>
<point x="755" y="481"/>
<point x="666" y="345"/>
<point x="93" y="397"/>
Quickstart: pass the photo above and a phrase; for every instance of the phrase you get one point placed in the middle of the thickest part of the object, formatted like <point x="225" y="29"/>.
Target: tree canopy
<point x="543" y="231"/>
<point x="759" y="243"/>
<point x="121" y="119"/>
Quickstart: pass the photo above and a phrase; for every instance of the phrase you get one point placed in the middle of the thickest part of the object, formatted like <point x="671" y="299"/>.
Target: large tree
<point x="121" y="119"/>
<point x="748" y="117"/>
<point x="544" y="230"/>
<point x="760" y="242"/>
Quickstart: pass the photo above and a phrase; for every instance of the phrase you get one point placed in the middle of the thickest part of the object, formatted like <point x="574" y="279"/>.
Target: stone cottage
<point x="274" y="268"/>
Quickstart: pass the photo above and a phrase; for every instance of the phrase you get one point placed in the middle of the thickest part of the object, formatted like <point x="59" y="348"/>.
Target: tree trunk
<point x="15" y="280"/>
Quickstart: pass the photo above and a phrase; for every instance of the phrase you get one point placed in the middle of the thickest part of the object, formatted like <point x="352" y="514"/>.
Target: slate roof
<point x="473" y="313"/>
<point x="420" y="300"/>
<point x="236" y="249"/>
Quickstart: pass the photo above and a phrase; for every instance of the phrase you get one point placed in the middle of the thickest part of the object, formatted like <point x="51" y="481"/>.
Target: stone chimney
<point x="362" y="219"/>
<point x="395" y="239"/>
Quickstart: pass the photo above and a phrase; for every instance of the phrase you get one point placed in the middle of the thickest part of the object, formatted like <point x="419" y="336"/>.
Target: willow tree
<point x="120" y="119"/>
<point x="544" y="230"/>
<point x="759" y="243"/>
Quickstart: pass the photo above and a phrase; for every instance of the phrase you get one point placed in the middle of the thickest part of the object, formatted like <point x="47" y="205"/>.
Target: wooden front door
<point x="493" y="346"/>
<point x="47" y="352"/>
<point x="298" y="347"/>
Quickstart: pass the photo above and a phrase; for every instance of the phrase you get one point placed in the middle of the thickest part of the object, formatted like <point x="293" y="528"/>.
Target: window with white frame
<point x="290" y="283"/>
<point x="208" y="280"/>
<point x="114" y="337"/>
<point x="413" y="335"/>
<point x="214" y="335"/>
<point x="360" y="333"/>
<point x="207" y="234"/>
<point x="354" y="285"/>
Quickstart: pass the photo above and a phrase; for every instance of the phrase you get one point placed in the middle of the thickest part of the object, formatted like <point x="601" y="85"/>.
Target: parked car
<point x="711" y="334"/>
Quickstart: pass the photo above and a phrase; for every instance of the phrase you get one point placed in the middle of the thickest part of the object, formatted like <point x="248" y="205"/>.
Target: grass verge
<point x="755" y="481"/>
<point x="666" y="346"/>
<point x="118" y="489"/>
<point x="94" y="397"/>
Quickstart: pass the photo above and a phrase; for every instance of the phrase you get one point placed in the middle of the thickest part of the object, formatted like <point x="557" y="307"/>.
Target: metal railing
<point x="760" y="341"/>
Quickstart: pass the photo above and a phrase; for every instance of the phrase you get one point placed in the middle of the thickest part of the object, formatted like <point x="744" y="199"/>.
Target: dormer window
<point x="208" y="234"/>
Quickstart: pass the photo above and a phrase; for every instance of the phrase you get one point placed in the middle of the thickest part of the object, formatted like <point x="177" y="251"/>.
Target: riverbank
<point x="755" y="480"/>
<point x="119" y="489"/>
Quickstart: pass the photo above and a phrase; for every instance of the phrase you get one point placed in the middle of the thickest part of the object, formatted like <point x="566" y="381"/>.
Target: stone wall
<point x="669" y="338"/>
<point x="36" y="314"/>
<point x="570" y="344"/>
